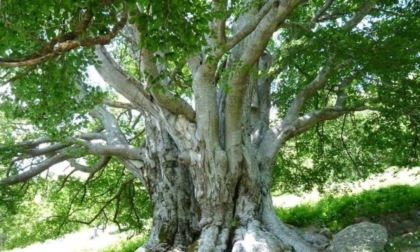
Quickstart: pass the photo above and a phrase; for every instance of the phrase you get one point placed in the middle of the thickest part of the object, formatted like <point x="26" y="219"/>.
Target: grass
<point x="128" y="245"/>
<point x="410" y="242"/>
<point x="336" y="213"/>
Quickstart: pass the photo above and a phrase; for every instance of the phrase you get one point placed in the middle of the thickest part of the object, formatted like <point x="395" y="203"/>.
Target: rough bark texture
<point x="175" y="210"/>
<point x="208" y="173"/>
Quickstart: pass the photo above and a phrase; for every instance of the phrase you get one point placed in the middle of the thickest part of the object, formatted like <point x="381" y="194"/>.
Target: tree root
<point x="253" y="237"/>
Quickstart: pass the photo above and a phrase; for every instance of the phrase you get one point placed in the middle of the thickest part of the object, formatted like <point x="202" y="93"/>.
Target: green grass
<point x="336" y="213"/>
<point x="128" y="245"/>
<point x="408" y="241"/>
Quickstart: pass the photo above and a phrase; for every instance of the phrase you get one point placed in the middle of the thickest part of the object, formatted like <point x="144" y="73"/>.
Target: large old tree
<point x="189" y="106"/>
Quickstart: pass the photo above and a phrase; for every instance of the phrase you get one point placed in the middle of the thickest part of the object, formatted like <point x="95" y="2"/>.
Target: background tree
<point x="196" y="82"/>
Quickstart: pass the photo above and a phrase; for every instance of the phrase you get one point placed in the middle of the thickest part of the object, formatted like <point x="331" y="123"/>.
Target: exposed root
<point x="254" y="238"/>
<point x="280" y="230"/>
<point x="213" y="238"/>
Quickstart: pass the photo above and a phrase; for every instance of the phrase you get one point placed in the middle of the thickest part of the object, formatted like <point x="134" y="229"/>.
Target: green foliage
<point x="41" y="96"/>
<point x="26" y="25"/>
<point x="27" y="222"/>
<point x="9" y="200"/>
<point x="390" y="58"/>
<point x="350" y="148"/>
<point x="336" y="213"/>
<point x="64" y="204"/>
<point x="163" y="23"/>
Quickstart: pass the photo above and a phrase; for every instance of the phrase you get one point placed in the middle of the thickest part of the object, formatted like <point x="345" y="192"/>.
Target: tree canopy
<point x="304" y="91"/>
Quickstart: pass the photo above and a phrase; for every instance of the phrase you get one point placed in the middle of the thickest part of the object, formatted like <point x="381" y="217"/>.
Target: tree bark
<point x="198" y="207"/>
<point x="208" y="173"/>
<point x="169" y="184"/>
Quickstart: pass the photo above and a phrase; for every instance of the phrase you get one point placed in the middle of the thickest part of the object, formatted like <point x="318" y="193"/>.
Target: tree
<point x="198" y="80"/>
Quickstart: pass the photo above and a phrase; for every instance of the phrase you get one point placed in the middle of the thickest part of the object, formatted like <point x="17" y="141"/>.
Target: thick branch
<point x="219" y="24"/>
<point x="123" y="83"/>
<point x="33" y="148"/>
<point x="118" y="144"/>
<point x="113" y="133"/>
<point x="321" y="11"/>
<point x="66" y="43"/>
<point x="120" y="150"/>
<point x="276" y="136"/>
<point x="247" y="29"/>
<point x="307" y="92"/>
<point x="360" y="14"/>
<point x="205" y="103"/>
<point x="121" y="105"/>
<point x="47" y="150"/>
<point x="249" y="53"/>
<point x="341" y="94"/>
<point x="305" y="122"/>
<point x="101" y="163"/>
<point x="27" y="62"/>
<point x="170" y="102"/>
<point x="26" y="175"/>
<point x="35" y="143"/>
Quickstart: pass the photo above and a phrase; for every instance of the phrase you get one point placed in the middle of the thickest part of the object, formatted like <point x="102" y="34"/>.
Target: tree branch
<point x="47" y="150"/>
<point x="219" y="24"/>
<point x="121" y="105"/>
<point x="36" y="142"/>
<point x="247" y="29"/>
<point x="101" y="163"/>
<point x="276" y="136"/>
<point x="124" y="83"/>
<point x="248" y="56"/>
<point x="341" y="95"/>
<point x="18" y="76"/>
<point x="66" y="42"/>
<point x="321" y="11"/>
<point x="127" y="181"/>
<point x="174" y="104"/>
<point x="32" y="172"/>
<point x="360" y="14"/>
<point x="120" y="150"/>
<point x="307" y="121"/>
<point x="308" y="91"/>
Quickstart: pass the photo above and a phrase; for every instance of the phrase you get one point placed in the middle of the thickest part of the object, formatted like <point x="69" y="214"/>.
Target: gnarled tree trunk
<point x="169" y="184"/>
<point x="207" y="197"/>
<point x="207" y="163"/>
<point x="201" y="205"/>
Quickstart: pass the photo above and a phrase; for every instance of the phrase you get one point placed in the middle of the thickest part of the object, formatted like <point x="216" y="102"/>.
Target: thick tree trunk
<point x="169" y="184"/>
<point x="196" y="208"/>
<point x="205" y="171"/>
<point x="246" y="222"/>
